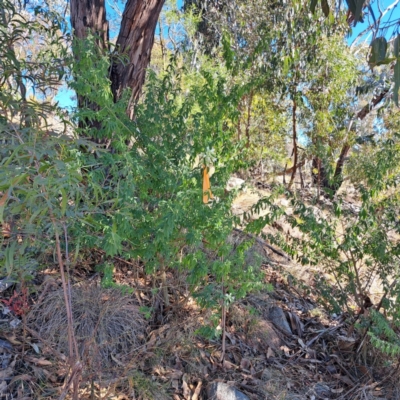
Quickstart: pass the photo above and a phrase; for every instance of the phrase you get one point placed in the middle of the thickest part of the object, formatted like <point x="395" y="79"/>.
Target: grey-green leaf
<point x="359" y="7"/>
<point x="313" y="5"/>
<point x="352" y="6"/>
<point x="378" y="51"/>
<point x="396" y="79"/>
<point x="396" y="46"/>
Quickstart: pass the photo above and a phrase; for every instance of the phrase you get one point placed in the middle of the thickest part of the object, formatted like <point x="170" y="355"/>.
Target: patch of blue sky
<point x="383" y="13"/>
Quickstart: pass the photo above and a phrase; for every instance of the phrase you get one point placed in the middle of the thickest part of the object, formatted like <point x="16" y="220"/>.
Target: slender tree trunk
<point x="338" y="176"/>
<point x="301" y="176"/>
<point x="295" y="151"/>
<point x="90" y="17"/>
<point x="334" y="186"/>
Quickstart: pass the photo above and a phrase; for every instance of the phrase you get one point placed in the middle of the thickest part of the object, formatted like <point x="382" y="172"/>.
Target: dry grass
<point x="109" y="327"/>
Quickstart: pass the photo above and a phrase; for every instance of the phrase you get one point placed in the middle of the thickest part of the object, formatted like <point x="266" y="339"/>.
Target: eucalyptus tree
<point x="131" y="55"/>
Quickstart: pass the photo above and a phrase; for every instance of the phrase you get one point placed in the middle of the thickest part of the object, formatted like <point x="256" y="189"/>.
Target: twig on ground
<point x="74" y="376"/>
<point x="262" y="242"/>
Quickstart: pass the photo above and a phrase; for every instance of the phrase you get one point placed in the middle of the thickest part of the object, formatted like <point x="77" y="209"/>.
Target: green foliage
<point x="383" y="335"/>
<point x="149" y="187"/>
<point x="325" y="101"/>
<point x="43" y="188"/>
<point x="38" y="179"/>
<point x="354" y="251"/>
<point x="379" y="55"/>
<point x="131" y="188"/>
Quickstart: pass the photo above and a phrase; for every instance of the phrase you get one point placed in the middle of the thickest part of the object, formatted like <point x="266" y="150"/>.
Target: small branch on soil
<point x="263" y="243"/>
<point x="329" y="330"/>
<point x="75" y="373"/>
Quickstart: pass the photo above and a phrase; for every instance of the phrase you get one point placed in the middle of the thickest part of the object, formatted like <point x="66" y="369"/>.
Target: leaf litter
<point x="164" y="357"/>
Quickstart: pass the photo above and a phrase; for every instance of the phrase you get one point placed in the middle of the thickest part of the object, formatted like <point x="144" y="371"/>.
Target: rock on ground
<point x="234" y="183"/>
<point x="222" y="391"/>
<point x="278" y="317"/>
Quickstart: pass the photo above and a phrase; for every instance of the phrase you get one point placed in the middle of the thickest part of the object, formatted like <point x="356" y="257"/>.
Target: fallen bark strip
<point x="263" y="243"/>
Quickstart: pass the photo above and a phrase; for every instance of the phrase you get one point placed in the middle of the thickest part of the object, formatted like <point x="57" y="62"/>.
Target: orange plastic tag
<point x="207" y="195"/>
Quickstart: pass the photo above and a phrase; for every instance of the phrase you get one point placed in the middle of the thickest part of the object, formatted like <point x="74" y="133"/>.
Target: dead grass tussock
<point x="109" y="327"/>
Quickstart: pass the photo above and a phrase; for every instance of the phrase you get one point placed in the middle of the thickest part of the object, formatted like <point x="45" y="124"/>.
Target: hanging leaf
<point x="325" y="7"/>
<point x="396" y="46"/>
<point x="378" y="51"/>
<point x="357" y="13"/>
<point x="396" y="79"/>
<point x="227" y="50"/>
<point x="313" y="5"/>
<point x="352" y="6"/>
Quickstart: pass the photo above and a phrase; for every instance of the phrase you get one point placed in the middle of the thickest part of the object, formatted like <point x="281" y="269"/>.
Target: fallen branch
<point x="262" y="243"/>
<point x="328" y="330"/>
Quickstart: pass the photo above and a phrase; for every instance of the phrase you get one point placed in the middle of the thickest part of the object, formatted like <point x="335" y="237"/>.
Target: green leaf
<point x="352" y="6"/>
<point x="325" y="7"/>
<point x="378" y="51"/>
<point x="396" y="79"/>
<point x="357" y="13"/>
<point x="63" y="201"/>
<point x="396" y="46"/>
<point x="313" y="5"/>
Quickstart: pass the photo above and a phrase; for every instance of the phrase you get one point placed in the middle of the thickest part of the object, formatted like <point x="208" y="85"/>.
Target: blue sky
<point x="394" y="13"/>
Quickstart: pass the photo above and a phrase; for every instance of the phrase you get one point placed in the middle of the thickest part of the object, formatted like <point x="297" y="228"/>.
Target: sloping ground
<point x="323" y="209"/>
<point x="279" y="344"/>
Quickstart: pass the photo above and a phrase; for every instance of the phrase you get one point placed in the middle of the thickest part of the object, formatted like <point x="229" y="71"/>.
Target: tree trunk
<point x="135" y="40"/>
<point x="90" y="16"/>
<point x="338" y="174"/>
<point x="319" y="173"/>
<point x="295" y="151"/>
